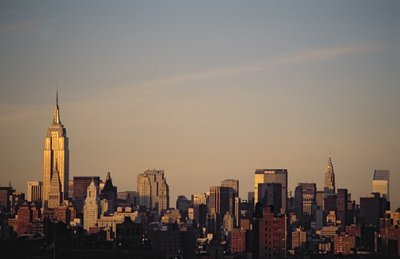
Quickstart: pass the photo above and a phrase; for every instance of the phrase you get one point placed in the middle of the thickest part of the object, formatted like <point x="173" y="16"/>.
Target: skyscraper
<point x="232" y="183"/>
<point x="341" y="207"/>
<point x="271" y="176"/>
<point x="55" y="149"/>
<point x="380" y="183"/>
<point x="109" y="193"/>
<point x="329" y="180"/>
<point x="34" y="191"/>
<point x="91" y="209"/>
<point x="153" y="190"/>
<point x="270" y="194"/>
<point x="55" y="194"/>
<point x="309" y="197"/>
<point x="81" y="183"/>
<point x="219" y="200"/>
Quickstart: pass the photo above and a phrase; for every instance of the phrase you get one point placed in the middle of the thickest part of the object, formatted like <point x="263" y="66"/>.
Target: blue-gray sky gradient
<point x="205" y="90"/>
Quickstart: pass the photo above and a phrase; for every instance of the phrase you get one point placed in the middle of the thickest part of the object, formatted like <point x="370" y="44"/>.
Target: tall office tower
<point x="329" y="180"/>
<point x="153" y="190"/>
<point x="34" y="191"/>
<point x="163" y="197"/>
<point x="341" y="207"/>
<point x="271" y="176"/>
<point x="232" y="183"/>
<point x="380" y="183"/>
<point x="298" y="201"/>
<point x="81" y="183"/>
<point x="373" y="208"/>
<point x="109" y="193"/>
<point x="91" y="209"/>
<point x="5" y="199"/>
<point x="218" y="200"/>
<point x="55" y="194"/>
<point x="55" y="149"/>
<point x="270" y="195"/>
<point x="200" y="198"/>
<point x="309" y="197"/>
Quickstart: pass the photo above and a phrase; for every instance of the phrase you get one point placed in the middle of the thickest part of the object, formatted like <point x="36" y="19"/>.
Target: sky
<point x="206" y="90"/>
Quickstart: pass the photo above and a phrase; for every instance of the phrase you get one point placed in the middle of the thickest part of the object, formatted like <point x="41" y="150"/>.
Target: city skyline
<point x="206" y="100"/>
<point x="328" y="169"/>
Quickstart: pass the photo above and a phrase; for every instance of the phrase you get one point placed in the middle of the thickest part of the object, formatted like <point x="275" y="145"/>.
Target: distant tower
<point x="329" y="181"/>
<point x="163" y="197"/>
<point x="153" y="190"/>
<point x="271" y="176"/>
<point x="91" y="209"/>
<point x="144" y="190"/>
<point x="109" y="193"/>
<point x="55" y="194"/>
<point x="55" y="149"/>
<point x="34" y="191"/>
<point x="380" y="183"/>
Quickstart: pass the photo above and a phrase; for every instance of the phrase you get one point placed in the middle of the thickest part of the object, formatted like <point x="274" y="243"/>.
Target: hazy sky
<point x="206" y="90"/>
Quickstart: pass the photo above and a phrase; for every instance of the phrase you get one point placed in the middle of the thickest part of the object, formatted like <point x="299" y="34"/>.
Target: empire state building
<point x="55" y="156"/>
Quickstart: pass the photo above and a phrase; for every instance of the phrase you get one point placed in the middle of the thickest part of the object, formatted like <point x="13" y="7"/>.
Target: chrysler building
<point x="329" y="180"/>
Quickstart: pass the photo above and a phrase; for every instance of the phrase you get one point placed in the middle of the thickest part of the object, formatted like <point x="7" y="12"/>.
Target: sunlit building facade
<point x="91" y="209"/>
<point x="55" y="152"/>
<point x="271" y="176"/>
<point x="380" y="183"/>
<point x="153" y="190"/>
<point x="329" y="179"/>
<point x="34" y="191"/>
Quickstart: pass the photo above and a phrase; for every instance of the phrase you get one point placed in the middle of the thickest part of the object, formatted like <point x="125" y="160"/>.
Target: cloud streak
<point x="302" y="57"/>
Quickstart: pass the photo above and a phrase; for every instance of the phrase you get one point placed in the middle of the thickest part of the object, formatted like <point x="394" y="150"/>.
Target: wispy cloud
<point x="23" y="28"/>
<point x="301" y="57"/>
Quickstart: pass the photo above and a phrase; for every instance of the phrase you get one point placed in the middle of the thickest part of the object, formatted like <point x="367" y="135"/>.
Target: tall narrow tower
<point x="329" y="180"/>
<point x="91" y="209"/>
<point x="55" y="149"/>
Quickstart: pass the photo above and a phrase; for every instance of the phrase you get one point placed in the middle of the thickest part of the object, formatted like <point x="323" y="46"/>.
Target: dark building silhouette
<point x="109" y="193"/>
<point x="200" y="214"/>
<point x="129" y="234"/>
<point x="341" y="207"/>
<point x="298" y="201"/>
<point x="330" y="203"/>
<point x="218" y="201"/>
<point x="174" y="243"/>
<point x="5" y="199"/>
<point x="372" y="209"/>
<point x="270" y="195"/>
<point x="183" y="204"/>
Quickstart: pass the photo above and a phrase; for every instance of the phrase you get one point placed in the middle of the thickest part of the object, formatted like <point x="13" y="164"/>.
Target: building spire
<point x="329" y="179"/>
<point x="56" y="116"/>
